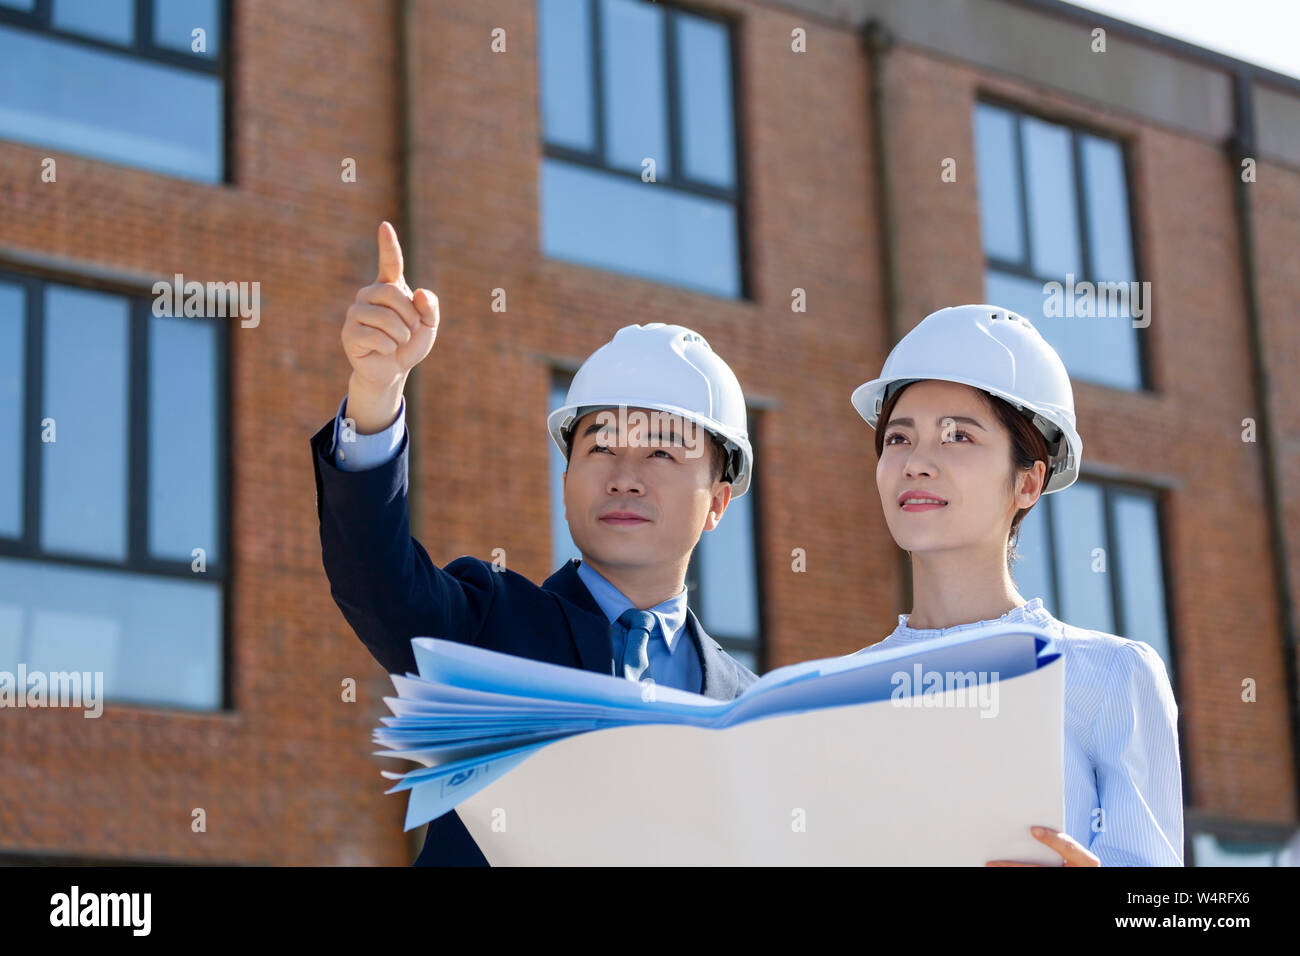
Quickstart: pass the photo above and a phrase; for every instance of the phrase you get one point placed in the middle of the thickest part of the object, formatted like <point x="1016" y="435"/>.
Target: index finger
<point x="390" y="254"/>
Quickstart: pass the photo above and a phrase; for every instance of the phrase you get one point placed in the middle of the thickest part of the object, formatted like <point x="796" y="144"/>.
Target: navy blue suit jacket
<point x="390" y="591"/>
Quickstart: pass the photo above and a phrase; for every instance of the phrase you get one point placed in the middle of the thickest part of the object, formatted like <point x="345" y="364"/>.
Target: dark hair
<point x="719" y="455"/>
<point x="1027" y="446"/>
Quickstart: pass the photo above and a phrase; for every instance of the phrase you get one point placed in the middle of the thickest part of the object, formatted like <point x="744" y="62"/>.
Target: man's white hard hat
<point x="995" y="350"/>
<point x="669" y="368"/>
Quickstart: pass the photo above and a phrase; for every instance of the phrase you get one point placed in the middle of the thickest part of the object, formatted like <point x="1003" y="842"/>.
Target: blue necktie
<point x="636" y="628"/>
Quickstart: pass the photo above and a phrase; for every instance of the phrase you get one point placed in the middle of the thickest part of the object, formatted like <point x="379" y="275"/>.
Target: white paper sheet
<point x="848" y="760"/>
<point x="871" y="784"/>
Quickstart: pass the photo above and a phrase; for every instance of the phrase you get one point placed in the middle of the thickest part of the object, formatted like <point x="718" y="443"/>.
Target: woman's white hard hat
<point x="668" y="368"/>
<point x="995" y="350"/>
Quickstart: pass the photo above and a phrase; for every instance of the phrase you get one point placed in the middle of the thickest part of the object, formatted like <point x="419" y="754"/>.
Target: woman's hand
<point x="1072" y="851"/>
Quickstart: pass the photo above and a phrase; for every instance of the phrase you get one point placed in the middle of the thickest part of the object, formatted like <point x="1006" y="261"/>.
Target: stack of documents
<point x="940" y="753"/>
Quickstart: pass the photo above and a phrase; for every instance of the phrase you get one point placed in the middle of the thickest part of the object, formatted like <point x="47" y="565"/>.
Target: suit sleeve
<point x="381" y="578"/>
<point x="1139" y="779"/>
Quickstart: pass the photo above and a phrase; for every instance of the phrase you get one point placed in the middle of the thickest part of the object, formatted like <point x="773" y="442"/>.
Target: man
<point x="653" y="429"/>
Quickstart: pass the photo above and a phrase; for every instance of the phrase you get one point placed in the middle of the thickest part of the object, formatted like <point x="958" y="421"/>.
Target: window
<point x="626" y="84"/>
<point x="1057" y="238"/>
<point x="137" y="82"/>
<point x="1268" y="846"/>
<point x="1093" y="554"/>
<point x="114" y="422"/>
<point x="722" y="578"/>
<point x="562" y="546"/>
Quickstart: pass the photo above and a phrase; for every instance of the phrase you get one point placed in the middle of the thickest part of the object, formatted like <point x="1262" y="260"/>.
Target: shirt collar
<point x="670" y="615"/>
<point x="1031" y="612"/>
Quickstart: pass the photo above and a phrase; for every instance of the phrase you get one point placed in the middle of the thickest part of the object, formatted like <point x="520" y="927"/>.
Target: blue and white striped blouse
<point x="1121" y="740"/>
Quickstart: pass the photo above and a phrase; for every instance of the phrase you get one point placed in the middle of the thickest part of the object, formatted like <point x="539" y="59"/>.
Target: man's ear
<point x="721" y="498"/>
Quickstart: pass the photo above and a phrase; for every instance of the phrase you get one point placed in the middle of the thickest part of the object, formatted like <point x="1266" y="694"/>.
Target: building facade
<point x="801" y="182"/>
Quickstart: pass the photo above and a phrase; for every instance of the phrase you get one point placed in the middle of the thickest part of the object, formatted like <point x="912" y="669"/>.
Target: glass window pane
<point x="182" y="438"/>
<point x="156" y="640"/>
<point x="13" y="385"/>
<point x="1109" y="237"/>
<point x="111" y="106"/>
<point x="1137" y="533"/>
<point x="632" y="59"/>
<point x="1032" y="570"/>
<point x="1049" y="175"/>
<point x="999" y="183"/>
<point x="704" y="89"/>
<point x="1097" y="348"/>
<point x="1078" y="525"/>
<point x="1210" y="850"/>
<point x="564" y="55"/>
<point x="84" y="470"/>
<point x="112" y="20"/>
<point x="562" y="546"/>
<point x="639" y="229"/>
<point x="728" y="581"/>
<point x="174" y="22"/>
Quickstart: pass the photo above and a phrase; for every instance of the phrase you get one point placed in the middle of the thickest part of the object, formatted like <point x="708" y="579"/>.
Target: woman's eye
<point x="889" y="439"/>
<point x="961" y="434"/>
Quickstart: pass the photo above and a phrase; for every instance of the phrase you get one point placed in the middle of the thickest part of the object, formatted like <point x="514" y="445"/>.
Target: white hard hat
<point x="1000" y="352"/>
<point x="669" y="368"/>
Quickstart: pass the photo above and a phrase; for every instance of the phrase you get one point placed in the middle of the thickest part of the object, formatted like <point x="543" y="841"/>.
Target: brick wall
<point x="287" y="776"/>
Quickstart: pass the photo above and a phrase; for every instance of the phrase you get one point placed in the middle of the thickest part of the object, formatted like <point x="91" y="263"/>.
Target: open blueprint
<point x="938" y="753"/>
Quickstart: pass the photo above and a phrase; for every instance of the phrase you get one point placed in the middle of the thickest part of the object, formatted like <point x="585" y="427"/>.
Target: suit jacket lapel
<point x="588" y="622"/>
<point x="719" y="674"/>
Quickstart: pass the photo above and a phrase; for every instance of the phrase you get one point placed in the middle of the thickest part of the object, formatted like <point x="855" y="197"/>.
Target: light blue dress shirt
<point x="674" y="659"/>
<point x="367" y="451"/>
<point x="1121" y="740"/>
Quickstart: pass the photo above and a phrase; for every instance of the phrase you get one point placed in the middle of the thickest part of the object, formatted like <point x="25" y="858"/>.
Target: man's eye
<point x="598" y="447"/>
<point x="666" y="454"/>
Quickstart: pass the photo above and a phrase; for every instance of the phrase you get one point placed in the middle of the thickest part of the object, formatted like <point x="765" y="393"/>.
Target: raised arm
<point x="381" y="578"/>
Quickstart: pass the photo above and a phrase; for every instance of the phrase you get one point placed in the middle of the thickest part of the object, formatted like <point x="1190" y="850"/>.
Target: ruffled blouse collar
<point x="1031" y="612"/>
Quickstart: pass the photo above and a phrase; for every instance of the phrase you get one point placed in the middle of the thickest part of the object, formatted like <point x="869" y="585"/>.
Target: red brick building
<point x="827" y="173"/>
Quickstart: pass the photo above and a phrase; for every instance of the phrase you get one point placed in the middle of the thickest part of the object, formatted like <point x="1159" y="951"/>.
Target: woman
<point x="974" y="420"/>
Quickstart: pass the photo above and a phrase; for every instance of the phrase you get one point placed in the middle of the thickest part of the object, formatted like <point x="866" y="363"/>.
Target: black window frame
<point x="143" y="47"/>
<point x="595" y="158"/>
<point x="1023" y="269"/>
<point x="138" y="560"/>
<point x="1109" y="488"/>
